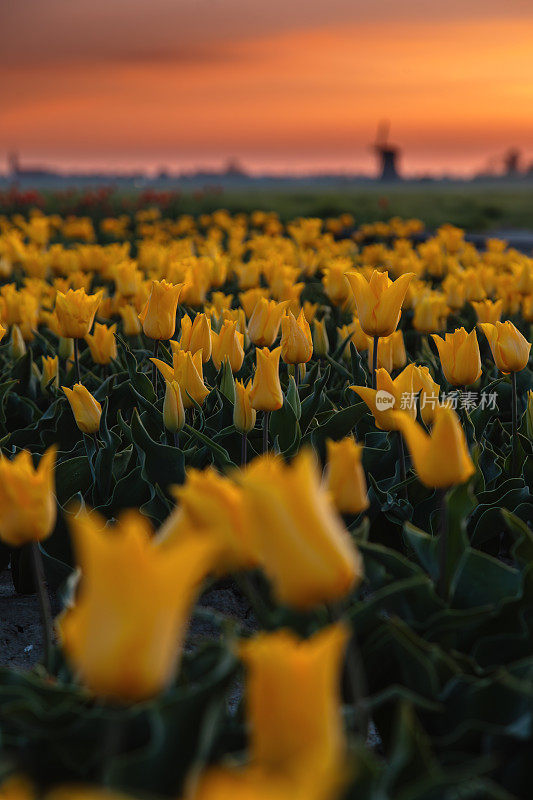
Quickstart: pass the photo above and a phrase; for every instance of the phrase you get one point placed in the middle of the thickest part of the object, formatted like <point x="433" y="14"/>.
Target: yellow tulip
<point x="429" y="397"/>
<point x="293" y="703"/>
<point x="228" y="343"/>
<point x="320" y="338"/>
<point x="346" y="480"/>
<point x="173" y="410"/>
<point x="75" y="312"/>
<point x="196" y="335"/>
<point x="294" y="523"/>
<point x="50" y="371"/>
<point x="296" y="341"/>
<point x="510" y="349"/>
<point x="3" y="331"/>
<point x="84" y="793"/>
<point x="379" y="300"/>
<point x="389" y="396"/>
<point x="127" y="278"/>
<point x="123" y="635"/>
<point x="487" y="311"/>
<point x="459" y="356"/>
<point x="244" y="414"/>
<point x="266" y="394"/>
<point x="430" y="314"/>
<point x="441" y="459"/>
<point x="250" y="299"/>
<point x="87" y="411"/>
<point x="212" y="506"/>
<point x="455" y="292"/>
<point x="187" y="371"/>
<point x="130" y="320"/>
<point x="251" y="783"/>
<point x="385" y="352"/>
<point x="158" y="316"/>
<point x="310" y="310"/>
<point x="102" y="343"/>
<point x="264" y="322"/>
<point x="27" y="501"/>
<point x="529" y="414"/>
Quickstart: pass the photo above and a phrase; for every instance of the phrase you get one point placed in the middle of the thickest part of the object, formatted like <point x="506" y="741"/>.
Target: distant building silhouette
<point x="34" y="171"/>
<point x="387" y="154"/>
<point x="512" y="162"/>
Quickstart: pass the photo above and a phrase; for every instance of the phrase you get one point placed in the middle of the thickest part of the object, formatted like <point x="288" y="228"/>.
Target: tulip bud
<point x="346" y="480"/>
<point x="244" y="415"/>
<point x="50" y="372"/>
<point x="65" y="349"/>
<point x="320" y="338"/>
<point x="379" y="301"/>
<point x="158" y="316"/>
<point x="296" y="341"/>
<point x="18" y="347"/>
<point x="266" y="394"/>
<point x="510" y="349"/>
<point x="459" y="357"/>
<point x="3" y="331"/>
<point x="173" y="410"/>
<point x="87" y="411"/>
<point x="27" y="501"/>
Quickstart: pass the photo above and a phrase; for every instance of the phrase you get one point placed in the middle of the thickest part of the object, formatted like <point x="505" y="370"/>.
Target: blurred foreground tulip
<point x="346" y="480"/>
<point x="124" y="632"/>
<point x="441" y="459"/>
<point x="27" y="501"/>
<point x="212" y="506"/>
<point x="294" y="523"/>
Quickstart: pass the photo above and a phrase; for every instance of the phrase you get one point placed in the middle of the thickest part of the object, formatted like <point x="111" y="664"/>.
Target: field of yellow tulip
<point x="333" y="423"/>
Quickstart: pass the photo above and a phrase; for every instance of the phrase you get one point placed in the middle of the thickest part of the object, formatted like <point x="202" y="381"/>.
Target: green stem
<point x="375" y="362"/>
<point x="266" y="420"/>
<point x="77" y="360"/>
<point x="442" y="589"/>
<point x="401" y="457"/>
<point x="154" y="368"/>
<point x="44" y="605"/>
<point x="244" y="449"/>
<point x="514" y="411"/>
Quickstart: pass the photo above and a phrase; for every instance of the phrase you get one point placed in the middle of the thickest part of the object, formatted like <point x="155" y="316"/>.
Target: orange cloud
<point x="456" y="91"/>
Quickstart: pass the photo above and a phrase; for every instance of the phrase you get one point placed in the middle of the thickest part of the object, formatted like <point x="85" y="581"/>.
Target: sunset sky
<point x="279" y="85"/>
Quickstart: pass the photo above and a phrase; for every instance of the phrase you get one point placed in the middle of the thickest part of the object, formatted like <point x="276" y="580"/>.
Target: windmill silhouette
<point x="387" y="153"/>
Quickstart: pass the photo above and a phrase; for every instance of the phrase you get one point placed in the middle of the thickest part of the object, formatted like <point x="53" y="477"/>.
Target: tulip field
<point x="330" y="423"/>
